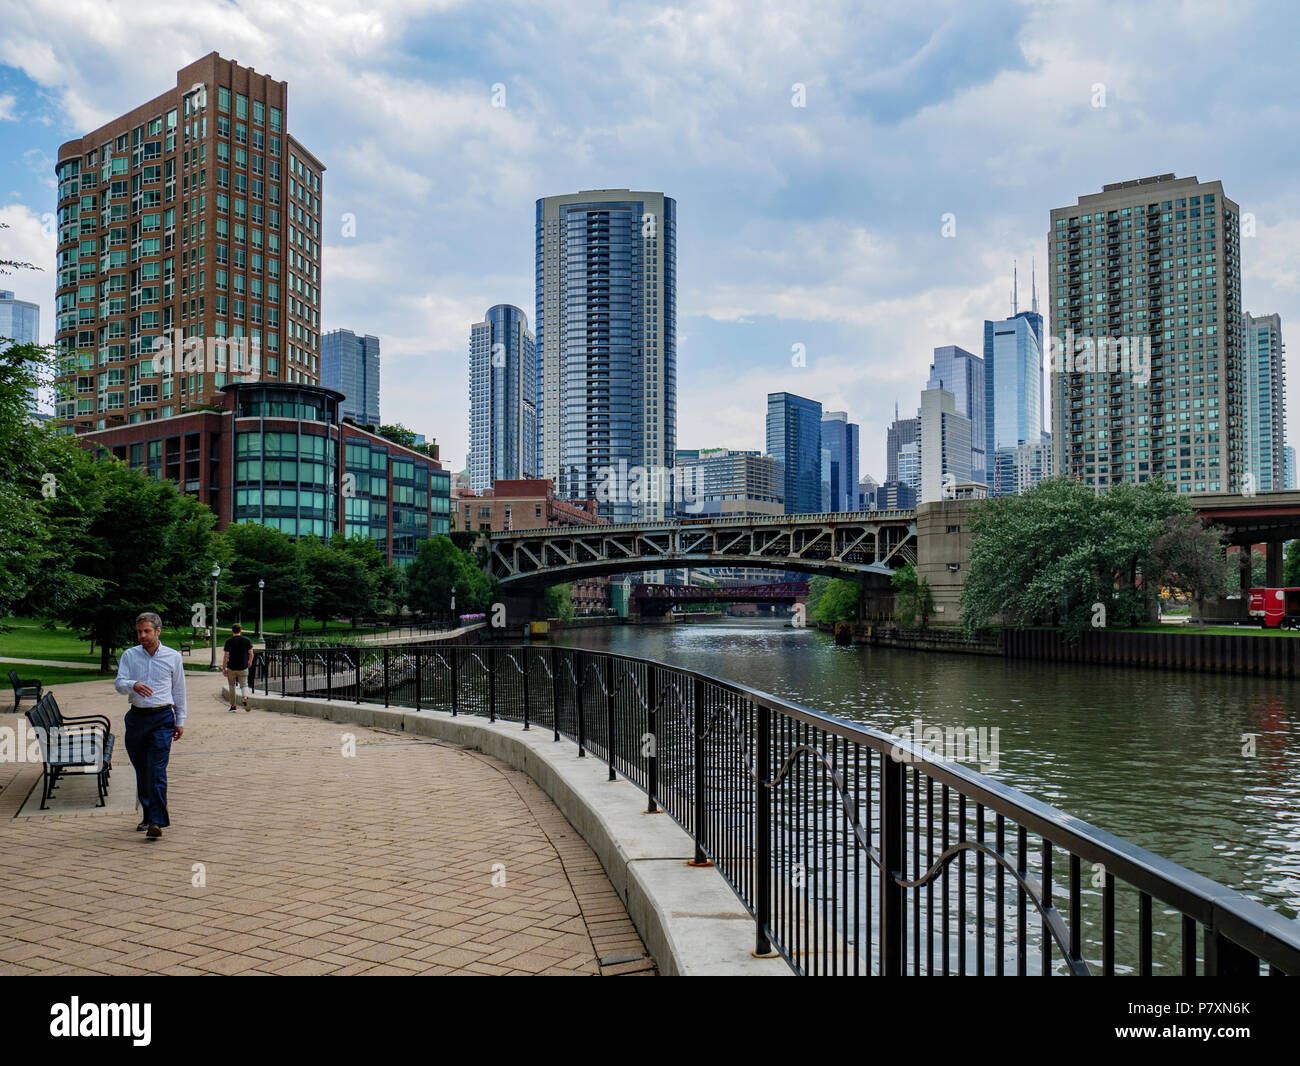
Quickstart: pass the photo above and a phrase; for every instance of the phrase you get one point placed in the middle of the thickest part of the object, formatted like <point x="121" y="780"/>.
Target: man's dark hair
<point x="236" y="628"/>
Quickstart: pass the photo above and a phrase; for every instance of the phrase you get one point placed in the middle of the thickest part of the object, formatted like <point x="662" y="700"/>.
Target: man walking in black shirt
<point x="234" y="664"/>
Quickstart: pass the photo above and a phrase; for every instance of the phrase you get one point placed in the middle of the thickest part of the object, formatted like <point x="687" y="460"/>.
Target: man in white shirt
<point x="152" y="678"/>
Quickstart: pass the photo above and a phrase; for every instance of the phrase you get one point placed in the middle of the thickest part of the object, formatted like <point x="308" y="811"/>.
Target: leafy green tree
<point x="1291" y="564"/>
<point x="341" y="587"/>
<point x="837" y="600"/>
<point x="1052" y="554"/>
<point x="438" y="566"/>
<point x="912" y="596"/>
<point x="1191" y="556"/>
<point x="149" y="548"/>
<point x="382" y="580"/>
<point x="254" y="553"/>
<point x="559" y="602"/>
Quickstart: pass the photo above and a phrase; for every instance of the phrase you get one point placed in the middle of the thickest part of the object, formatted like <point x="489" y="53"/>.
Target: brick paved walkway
<point x="314" y="863"/>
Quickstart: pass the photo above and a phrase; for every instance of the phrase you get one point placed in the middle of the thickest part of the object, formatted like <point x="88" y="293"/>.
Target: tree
<point x="147" y="546"/>
<point x="832" y="599"/>
<point x="1291" y="564"/>
<point x="1191" y="556"/>
<point x="912" y="596"/>
<point x="341" y="587"/>
<point x="559" y="602"/>
<point x="1057" y="552"/>
<point x="438" y="566"/>
<point x="382" y="580"/>
<point x="398" y="434"/>
<point x="254" y="553"/>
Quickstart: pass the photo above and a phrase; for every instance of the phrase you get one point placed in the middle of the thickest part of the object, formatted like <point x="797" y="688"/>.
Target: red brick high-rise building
<point x="195" y="216"/>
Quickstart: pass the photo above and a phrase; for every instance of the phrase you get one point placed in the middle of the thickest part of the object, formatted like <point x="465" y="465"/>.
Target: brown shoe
<point x="153" y="832"/>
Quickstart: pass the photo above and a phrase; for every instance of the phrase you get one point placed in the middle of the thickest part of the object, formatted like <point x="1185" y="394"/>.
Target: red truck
<point x="1276" y="607"/>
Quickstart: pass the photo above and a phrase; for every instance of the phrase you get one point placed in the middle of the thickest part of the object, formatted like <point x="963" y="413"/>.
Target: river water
<point x="1159" y="758"/>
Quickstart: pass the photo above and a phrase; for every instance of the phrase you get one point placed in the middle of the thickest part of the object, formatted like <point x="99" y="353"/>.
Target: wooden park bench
<point x="29" y="689"/>
<point x="82" y="744"/>
<point x="187" y="647"/>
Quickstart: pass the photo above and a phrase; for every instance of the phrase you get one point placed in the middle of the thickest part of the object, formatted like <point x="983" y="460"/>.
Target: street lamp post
<point x="453" y="606"/>
<point x="261" y="585"/>
<point x="216" y="573"/>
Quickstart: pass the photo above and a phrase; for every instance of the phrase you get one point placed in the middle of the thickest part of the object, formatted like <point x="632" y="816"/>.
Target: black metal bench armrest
<point x="98" y="719"/>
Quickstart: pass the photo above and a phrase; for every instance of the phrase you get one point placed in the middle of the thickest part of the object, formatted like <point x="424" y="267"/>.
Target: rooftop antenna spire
<point x="1015" y="295"/>
<point x="1033" y="281"/>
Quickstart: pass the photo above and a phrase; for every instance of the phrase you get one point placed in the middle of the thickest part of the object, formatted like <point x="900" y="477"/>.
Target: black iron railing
<point x="855" y="852"/>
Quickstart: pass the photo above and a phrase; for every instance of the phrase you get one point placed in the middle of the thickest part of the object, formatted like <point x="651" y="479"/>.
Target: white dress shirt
<point x="163" y="671"/>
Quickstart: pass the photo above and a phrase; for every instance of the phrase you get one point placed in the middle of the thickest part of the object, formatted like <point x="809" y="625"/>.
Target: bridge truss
<point x="876" y="542"/>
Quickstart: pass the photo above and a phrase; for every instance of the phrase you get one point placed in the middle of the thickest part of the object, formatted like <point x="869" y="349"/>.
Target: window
<point x="223" y="100"/>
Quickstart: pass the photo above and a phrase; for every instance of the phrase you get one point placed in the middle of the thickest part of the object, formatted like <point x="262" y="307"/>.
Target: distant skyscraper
<point x="1265" y="399"/>
<point x="945" y="445"/>
<point x="901" y="431"/>
<point x="1152" y="269"/>
<point x="794" y="433"/>
<point x="909" y="467"/>
<point x="840" y="439"/>
<point x="1289" y="461"/>
<point x="606" y="328"/>
<point x="350" y="364"/>
<point x="961" y="373"/>
<point x="20" y="322"/>
<point x="502" y="399"/>
<point x="1013" y="395"/>
<point x="867" y="488"/>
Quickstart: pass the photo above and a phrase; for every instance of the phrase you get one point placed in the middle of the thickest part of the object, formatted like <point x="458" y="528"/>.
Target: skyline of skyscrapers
<point x="794" y="428"/>
<point x="502" y="399"/>
<point x="606" y="328"/>
<point x="1265" y="372"/>
<point x="1145" y="295"/>
<point x="350" y="365"/>
<point x="194" y="211"/>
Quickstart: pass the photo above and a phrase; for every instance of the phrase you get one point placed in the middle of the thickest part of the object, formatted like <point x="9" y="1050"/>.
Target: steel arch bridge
<point x="851" y="544"/>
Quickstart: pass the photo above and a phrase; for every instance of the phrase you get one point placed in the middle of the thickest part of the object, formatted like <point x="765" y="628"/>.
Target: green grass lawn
<point x="1234" y="631"/>
<point x="26" y="638"/>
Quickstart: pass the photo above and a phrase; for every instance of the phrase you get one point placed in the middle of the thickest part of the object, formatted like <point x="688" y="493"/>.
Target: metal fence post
<point x="526" y="655"/>
<point x="329" y="673"/>
<point x="697" y="715"/>
<point x="577" y="699"/>
<point x="455" y="680"/>
<point x="492" y="683"/>
<point x="652" y="710"/>
<point x="763" y="831"/>
<point x="304" y="675"/>
<point x="385" y="675"/>
<point x="892" y="857"/>
<point x="609" y="715"/>
<point x="357" y="650"/>
<point x="555" y="692"/>
<point x="418" y="677"/>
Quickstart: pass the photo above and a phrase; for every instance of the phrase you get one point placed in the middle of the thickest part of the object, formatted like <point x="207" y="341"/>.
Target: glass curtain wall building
<point x="794" y="439"/>
<point x="606" y="326"/>
<point x="502" y="399"/>
<point x="1265" y="400"/>
<point x="350" y="364"/>
<point x="840" y="439"/>
<point x="1013" y="397"/>
<point x="20" y="322"/>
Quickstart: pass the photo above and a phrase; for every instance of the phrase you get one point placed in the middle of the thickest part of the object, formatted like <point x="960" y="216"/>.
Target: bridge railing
<point x="855" y="851"/>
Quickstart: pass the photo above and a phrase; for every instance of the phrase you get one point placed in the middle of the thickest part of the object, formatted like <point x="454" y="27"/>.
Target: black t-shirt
<point x="238" y="648"/>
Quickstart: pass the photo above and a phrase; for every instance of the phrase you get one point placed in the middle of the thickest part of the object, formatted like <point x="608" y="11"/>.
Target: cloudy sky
<point x="817" y="225"/>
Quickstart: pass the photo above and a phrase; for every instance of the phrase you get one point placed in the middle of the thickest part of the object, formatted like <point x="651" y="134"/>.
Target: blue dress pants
<point x="149" y="746"/>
